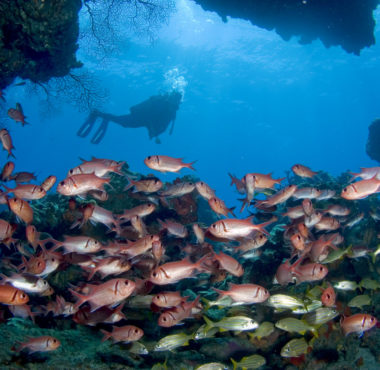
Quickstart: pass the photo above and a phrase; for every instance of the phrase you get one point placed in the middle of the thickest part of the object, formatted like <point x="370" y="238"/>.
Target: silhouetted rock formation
<point x="373" y="142"/>
<point x="38" y="39"/>
<point x="348" y="23"/>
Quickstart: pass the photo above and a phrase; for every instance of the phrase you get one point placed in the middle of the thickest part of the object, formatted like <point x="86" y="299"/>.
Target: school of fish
<point x="134" y="269"/>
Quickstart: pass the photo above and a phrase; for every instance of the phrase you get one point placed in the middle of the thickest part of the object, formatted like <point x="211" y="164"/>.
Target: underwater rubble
<point x="276" y="294"/>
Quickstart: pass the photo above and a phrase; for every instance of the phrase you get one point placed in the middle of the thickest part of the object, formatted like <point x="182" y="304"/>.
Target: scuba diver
<point x="155" y="113"/>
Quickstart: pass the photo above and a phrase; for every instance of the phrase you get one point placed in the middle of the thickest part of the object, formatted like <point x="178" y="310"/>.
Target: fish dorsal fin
<point x="19" y="108"/>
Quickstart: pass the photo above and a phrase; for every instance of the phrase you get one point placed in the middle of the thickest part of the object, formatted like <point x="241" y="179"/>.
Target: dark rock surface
<point x="38" y="39"/>
<point x="347" y="23"/>
<point x="373" y="142"/>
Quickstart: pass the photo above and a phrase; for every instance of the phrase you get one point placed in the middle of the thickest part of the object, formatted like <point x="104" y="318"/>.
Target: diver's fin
<point x="85" y="129"/>
<point x="100" y="133"/>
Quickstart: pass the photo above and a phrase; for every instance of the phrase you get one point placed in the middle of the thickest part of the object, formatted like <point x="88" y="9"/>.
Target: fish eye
<point x="345" y="189"/>
<point x="126" y="282"/>
<point x="157" y="297"/>
<point x="54" y="340"/>
<point x="45" y="282"/>
<point x="136" y="331"/>
<point x="164" y="318"/>
<point x="23" y="295"/>
<point x="154" y="274"/>
<point x="372" y="319"/>
<point x="71" y="171"/>
<point x="62" y="183"/>
<point x="53" y="259"/>
<point x="328" y="296"/>
<point x="214" y="226"/>
<point x="321" y="268"/>
<point x="149" y="157"/>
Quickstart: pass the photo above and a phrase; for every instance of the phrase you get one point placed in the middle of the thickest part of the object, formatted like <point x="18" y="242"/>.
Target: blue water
<point x="253" y="103"/>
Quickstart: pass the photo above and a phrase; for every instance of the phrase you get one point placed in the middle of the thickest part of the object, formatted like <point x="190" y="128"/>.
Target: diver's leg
<point x="100" y="133"/>
<point x="87" y="126"/>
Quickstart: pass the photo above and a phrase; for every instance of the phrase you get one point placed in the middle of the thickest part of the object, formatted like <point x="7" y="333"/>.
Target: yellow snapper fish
<point x="138" y="349"/>
<point x="359" y="301"/>
<point x="212" y="366"/>
<point x="283" y="301"/>
<point x="294" y="348"/>
<point x="249" y="362"/>
<point x="369" y="284"/>
<point x="309" y="307"/>
<point x="221" y="302"/>
<point x="292" y="325"/>
<point x="202" y="332"/>
<point x="234" y="323"/>
<point x="171" y="342"/>
<point x="375" y="253"/>
<point x="320" y="316"/>
<point x="336" y="255"/>
<point x="346" y="285"/>
<point x="265" y="329"/>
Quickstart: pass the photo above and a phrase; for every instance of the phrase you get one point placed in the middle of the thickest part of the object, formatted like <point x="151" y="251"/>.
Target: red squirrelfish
<point x="142" y="210"/>
<point x="21" y="209"/>
<point x="263" y="181"/>
<point x="27" y="191"/>
<point x="108" y="266"/>
<point x="328" y="296"/>
<point x="366" y="173"/>
<point x="126" y="334"/>
<point x="175" y="315"/>
<point x="219" y="207"/>
<point x="81" y="184"/>
<point x="168" y="299"/>
<point x="7" y="171"/>
<point x="6" y="141"/>
<point x="303" y="171"/>
<point x="204" y="190"/>
<point x="147" y="185"/>
<point x="10" y="295"/>
<point x="164" y="163"/>
<point x="23" y="177"/>
<point x="245" y="293"/>
<point x="39" y="344"/>
<point x="109" y="293"/>
<point x="280" y="197"/>
<point x="310" y="272"/>
<point x="358" y="323"/>
<point x="17" y="114"/>
<point x="238" y="183"/>
<point x="97" y="168"/>
<point x="361" y="189"/>
<point x="173" y="272"/>
<point x="49" y="182"/>
<point x="229" y="264"/>
<point x="174" y="228"/>
<point x="233" y="229"/>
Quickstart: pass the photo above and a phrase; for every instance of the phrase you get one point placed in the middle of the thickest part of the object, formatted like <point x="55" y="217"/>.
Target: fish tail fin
<point x="117" y="168"/>
<point x="221" y="293"/>
<point x="190" y="165"/>
<point x="209" y="323"/>
<point x="81" y="298"/>
<point x="231" y="210"/>
<point x="129" y="185"/>
<point x="354" y="176"/>
<point x="107" y="335"/>
<point x="234" y="363"/>
<point x="91" y="271"/>
<point x="262" y="226"/>
<point x="278" y="181"/>
<point x="10" y="154"/>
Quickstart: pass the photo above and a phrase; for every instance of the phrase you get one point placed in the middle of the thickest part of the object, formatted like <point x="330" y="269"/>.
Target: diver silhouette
<point x="155" y="113"/>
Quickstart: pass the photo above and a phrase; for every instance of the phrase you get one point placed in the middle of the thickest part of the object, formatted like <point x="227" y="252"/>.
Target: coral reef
<point x="346" y="23"/>
<point x="38" y="39"/>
